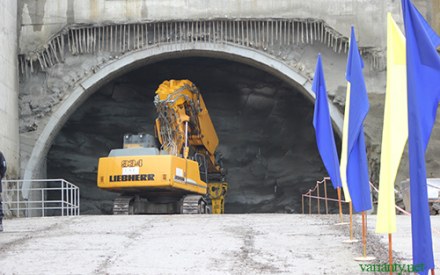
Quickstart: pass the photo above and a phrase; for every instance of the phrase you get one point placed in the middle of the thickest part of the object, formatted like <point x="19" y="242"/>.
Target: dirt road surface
<point x="180" y="244"/>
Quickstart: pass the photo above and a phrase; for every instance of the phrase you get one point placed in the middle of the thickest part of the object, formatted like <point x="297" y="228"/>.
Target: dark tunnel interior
<point x="264" y="125"/>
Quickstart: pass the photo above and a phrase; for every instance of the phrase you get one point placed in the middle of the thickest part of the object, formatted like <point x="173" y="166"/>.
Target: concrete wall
<point x="40" y="139"/>
<point x="9" y="140"/>
<point x="436" y="11"/>
<point x="43" y="18"/>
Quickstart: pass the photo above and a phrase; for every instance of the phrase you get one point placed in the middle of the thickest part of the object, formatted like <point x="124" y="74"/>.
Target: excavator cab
<point x="142" y="140"/>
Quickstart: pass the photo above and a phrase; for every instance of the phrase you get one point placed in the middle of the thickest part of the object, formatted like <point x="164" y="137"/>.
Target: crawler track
<point x="190" y="204"/>
<point x="123" y="205"/>
<point x="194" y="204"/>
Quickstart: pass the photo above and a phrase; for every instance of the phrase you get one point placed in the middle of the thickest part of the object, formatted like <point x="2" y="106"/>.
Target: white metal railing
<point x="47" y="197"/>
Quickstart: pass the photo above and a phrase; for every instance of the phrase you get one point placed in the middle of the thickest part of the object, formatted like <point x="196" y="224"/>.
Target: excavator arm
<point x="183" y="122"/>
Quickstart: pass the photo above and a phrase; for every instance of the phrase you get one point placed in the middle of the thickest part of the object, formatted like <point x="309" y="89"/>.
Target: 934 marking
<point x="132" y="163"/>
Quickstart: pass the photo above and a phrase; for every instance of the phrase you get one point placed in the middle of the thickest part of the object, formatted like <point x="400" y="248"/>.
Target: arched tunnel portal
<point x="261" y="108"/>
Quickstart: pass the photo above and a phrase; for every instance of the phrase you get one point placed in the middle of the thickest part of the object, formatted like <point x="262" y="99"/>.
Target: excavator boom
<point x="183" y="117"/>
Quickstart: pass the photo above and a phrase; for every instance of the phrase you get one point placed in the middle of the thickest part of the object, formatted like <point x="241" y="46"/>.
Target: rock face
<point x="264" y="126"/>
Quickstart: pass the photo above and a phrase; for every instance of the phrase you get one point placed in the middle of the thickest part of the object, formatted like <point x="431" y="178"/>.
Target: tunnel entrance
<point x="264" y="126"/>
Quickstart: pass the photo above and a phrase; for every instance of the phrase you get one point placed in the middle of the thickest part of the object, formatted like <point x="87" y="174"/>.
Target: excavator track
<point x="190" y="204"/>
<point x="194" y="204"/>
<point x="123" y="205"/>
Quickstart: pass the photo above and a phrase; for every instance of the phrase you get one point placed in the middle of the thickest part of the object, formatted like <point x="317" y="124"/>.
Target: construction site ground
<point x="196" y="244"/>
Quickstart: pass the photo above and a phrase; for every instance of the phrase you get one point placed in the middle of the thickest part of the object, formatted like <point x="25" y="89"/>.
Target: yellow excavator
<point x="176" y="172"/>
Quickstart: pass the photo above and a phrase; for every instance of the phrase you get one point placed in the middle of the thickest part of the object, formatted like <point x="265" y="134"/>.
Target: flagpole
<point x="351" y="221"/>
<point x="341" y="219"/>
<point x="364" y="234"/>
<point x="340" y="204"/>
<point x="351" y="240"/>
<point x="364" y="257"/>
<point x="390" y="252"/>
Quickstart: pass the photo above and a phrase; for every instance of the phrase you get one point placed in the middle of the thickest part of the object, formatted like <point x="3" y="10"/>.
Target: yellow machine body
<point x="170" y="177"/>
<point x="143" y="174"/>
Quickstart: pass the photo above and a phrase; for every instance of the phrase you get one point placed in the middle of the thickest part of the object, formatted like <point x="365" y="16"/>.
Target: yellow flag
<point x="344" y="149"/>
<point x="395" y="127"/>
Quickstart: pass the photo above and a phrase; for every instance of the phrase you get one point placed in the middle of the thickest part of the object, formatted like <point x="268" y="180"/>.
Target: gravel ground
<point x="187" y="244"/>
<point x="377" y="244"/>
<point x="175" y="244"/>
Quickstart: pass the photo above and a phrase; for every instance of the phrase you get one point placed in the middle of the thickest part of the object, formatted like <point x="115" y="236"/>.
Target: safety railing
<point x="47" y="197"/>
<point x="314" y="193"/>
<point x="401" y="210"/>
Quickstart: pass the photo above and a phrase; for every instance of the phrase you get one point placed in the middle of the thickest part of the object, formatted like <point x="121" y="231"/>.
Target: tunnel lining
<point x="140" y="58"/>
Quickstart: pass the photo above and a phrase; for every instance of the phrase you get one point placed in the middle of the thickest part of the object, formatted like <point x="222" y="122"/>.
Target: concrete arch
<point x="135" y="59"/>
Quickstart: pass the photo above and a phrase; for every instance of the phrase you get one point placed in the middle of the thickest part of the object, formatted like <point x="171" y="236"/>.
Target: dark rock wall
<point x="264" y="126"/>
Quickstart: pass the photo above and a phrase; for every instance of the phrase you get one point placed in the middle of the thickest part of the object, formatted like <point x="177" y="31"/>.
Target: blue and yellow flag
<point x="357" y="164"/>
<point x="344" y="154"/>
<point x="395" y="127"/>
<point x="423" y="78"/>
<point x="323" y="127"/>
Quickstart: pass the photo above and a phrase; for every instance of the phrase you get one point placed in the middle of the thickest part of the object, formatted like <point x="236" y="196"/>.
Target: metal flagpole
<point x="390" y="252"/>
<point x="341" y="220"/>
<point x="351" y="240"/>
<point x="364" y="257"/>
